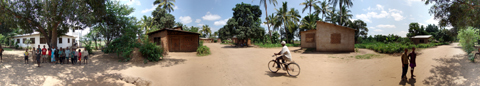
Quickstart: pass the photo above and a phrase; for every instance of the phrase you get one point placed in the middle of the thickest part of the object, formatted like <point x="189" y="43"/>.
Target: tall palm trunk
<point x="341" y="13"/>
<point x="268" y="25"/>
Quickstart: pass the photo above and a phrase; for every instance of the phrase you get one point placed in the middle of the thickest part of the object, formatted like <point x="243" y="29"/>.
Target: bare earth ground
<point x="442" y="66"/>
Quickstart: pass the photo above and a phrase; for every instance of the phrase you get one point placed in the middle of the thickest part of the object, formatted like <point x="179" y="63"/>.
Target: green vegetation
<point x="203" y="51"/>
<point x="151" y="51"/>
<point x="394" y="47"/>
<point x="270" y="45"/>
<point x="468" y="37"/>
<point x="244" y="24"/>
<point x="7" y="49"/>
<point x="366" y="56"/>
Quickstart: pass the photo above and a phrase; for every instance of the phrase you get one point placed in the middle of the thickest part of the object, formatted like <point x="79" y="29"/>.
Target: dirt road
<point x="227" y="66"/>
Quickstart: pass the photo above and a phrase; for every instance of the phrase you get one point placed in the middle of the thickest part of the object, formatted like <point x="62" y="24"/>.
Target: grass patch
<point x="366" y="56"/>
<point x="8" y="49"/>
<point x="271" y="45"/>
<point x="203" y="51"/>
<point x="394" y="47"/>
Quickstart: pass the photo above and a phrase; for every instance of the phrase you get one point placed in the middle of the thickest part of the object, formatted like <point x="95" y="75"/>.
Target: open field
<point x="443" y="65"/>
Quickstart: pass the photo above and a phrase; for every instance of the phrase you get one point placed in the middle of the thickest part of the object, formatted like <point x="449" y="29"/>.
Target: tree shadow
<point x="14" y="72"/>
<point x="456" y="71"/>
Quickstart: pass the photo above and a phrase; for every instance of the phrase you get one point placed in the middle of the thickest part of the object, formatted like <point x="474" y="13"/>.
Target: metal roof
<point x="422" y="36"/>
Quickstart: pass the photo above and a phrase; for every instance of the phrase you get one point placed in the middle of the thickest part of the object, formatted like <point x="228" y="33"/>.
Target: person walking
<point x="26" y="56"/>
<point x="44" y="54"/>
<point x="404" y="64"/>
<point x="413" y="64"/>
<point x="67" y="55"/>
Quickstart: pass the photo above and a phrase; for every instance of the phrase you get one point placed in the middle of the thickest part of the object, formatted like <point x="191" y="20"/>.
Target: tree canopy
<point x="457" y="13"/>
<point x="244" y="24"/>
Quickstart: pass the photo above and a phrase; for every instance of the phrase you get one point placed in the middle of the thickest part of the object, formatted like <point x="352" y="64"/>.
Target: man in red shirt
<point x="44" y="54"/>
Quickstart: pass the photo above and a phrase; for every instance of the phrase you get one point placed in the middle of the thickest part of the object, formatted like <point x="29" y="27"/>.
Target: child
<point x="33" y="54"/>
<point x="44" y="54"/>
<point x="67" y="55"/>
<point x="38" y="56"/>
<point x="60" y="55"/>
<point x="53" y="55"/>
<point x="74" y="59"/>
<point x="49" y="53"/>
<point x="80" y="56"/>
<point x="26" y="56"/>
<point x="39" y="50"/>
<point x="413" y="64"/>
<point x="85" y="57"/>
<point x="404" y="64"/>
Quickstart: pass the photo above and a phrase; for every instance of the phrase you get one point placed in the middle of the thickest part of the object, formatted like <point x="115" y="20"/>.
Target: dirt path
<point x="441" y="66"/>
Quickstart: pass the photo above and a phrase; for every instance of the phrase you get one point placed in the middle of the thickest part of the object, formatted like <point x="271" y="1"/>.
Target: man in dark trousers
<point x="404" y="64"/>
<point x="413" y="64"/>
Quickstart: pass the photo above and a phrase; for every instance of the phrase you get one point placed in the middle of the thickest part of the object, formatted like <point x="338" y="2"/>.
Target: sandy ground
<point x="227" y="66"/>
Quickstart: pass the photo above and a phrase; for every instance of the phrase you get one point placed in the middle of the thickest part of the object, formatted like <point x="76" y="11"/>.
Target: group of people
<point x="57" y="56"/>
<point x="405" y="59"/>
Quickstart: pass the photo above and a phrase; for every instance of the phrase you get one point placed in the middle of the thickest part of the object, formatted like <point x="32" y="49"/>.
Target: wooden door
<point x="174" y="43"/>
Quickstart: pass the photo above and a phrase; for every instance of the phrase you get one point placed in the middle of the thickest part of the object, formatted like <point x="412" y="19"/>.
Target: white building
<point x="62" y="41"/>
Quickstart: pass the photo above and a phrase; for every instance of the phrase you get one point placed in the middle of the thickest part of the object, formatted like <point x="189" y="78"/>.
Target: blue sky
<point x="381" y="16"/>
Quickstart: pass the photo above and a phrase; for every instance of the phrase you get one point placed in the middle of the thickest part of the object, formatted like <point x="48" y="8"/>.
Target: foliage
<point x="289" y="20"/>
<point x="343" y="5"/>
<point x="468" y="37"/>
<point x="200" y="43"/>
<point x="274" y="45"/>
<point x="309" y="4"/>
<point x="394" y="47"/>
<point x="309" y="22"/>
<point x="360" y="27"/>
<point x="274" y="2"/>
<point x="457" y="13"/>
<point x="117" y="23"/>
<point x="151" y="51"/>
<point x="203" y="51"/>
<point x="51" y="18"/>
<point x="244" y="24"/>
<point x="414" y="29"/>
<point x="165" y="4"/>
<point x="162" y="19"/>
<point x="205" y="30"/>
<point x="88" y="46"/>
<point x="192" y="29"/>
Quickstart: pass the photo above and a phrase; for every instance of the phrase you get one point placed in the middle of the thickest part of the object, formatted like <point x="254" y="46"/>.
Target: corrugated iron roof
<point x="422" y="36"/>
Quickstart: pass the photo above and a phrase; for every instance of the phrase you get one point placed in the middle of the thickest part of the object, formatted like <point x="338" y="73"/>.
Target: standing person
<point x="413" y="64"/>
<point x="1" y="52"/>
<point x="74" y="59"/>
<point x="38" y="52"/>
<point x="53" y="55"/>
<point x="85" y="56"/>
<point x="404" y="64"/>
<point x="33" y="54"/>
<point x="26" y="55"/>
<point x="67" y="55"/>
<point x="44" y="54"/>
<point x="60" y="55"/>
<point x="49" y="53"/>
<point x="79" y="56"/>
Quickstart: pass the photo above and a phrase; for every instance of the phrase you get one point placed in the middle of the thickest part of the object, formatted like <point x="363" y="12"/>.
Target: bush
<point x="123" y="46"/>
<point x="215" y="41"/>
<point x="468" y="37"/>
<point x="88" y="46"/>
<point x="200" y="43"/>
<point x="394" y="47"/>
<point x="150" y="51"/>
<point x="203" y="51"/>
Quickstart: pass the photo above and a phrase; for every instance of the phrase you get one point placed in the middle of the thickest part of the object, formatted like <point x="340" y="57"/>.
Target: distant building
<point x="329" y="37"/>
<point x="175" y="39"/>
<point x="36" y="39"/>
<point x="421" y="39"/>
<point x="206" y="40"/>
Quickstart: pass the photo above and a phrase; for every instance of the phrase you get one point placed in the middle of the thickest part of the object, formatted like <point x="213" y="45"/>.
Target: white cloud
<point x="149" y="10"/>
<point x="396" y="14"/>
<point x="221" y="22"/>
<point x="409" y="2"/>
<point x="386" y="26"/>
<point x="378" y="30"/>
<point x="200" y="25"/>
<point x="432" y="21"/>
<point x="175" y="8"/>
<point x="130" y="2"/>
<point x="369" y="15"/>
<point x="186" y="19"/>
<point x="378" y="7"/>
<point x="211" y="17"/>
<point x="198" y="20"/>
<point x="402" y="33"/>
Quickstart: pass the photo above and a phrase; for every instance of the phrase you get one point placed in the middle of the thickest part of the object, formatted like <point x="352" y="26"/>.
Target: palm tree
<point x="274" y="2"/>
<point x="332" y="16"/>
<point x="286" y="17"/>
<point x="360" y="28"/>
<point x="344" y="16"/>
<point x="347" y="3"/>
<point x="309" y="4"/>
<point x="165" y="4"/>
<point x="206" y="30"/>
<point x="323" y="8"/>
<point x="309" y="22"/>
<point x="146" y="23"/>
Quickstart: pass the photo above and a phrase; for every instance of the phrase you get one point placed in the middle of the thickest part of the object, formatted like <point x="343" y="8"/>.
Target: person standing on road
<point x="52" y="55"/>
<point x="44" y="54"/>
<point x="26" y="55"/>
<point x="85" y="56"/>
<point x="67" y="55"/>
<point x="285" y="52"/>
<point x="60" y="55"/>
<point x="79" y="56"/>
<point x="38" y="53"/>
<point x="413" y="64"/>
<point x="404" y="64"/>
<point x="75" y="55"/>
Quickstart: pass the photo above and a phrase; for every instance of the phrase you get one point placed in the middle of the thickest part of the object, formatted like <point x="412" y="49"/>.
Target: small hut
<point x="175" y="39"/>
<point x="329" y="38"/>
<point x="421" y="39"/>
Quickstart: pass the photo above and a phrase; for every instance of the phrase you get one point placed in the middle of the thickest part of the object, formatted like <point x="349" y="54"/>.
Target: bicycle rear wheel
<point x="271" y="66"/>
<point x="293" y="69"/>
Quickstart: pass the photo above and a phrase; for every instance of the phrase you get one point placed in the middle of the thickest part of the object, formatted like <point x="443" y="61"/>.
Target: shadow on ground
<point x="228" y="46"/>
<point x="13" y="71"/>
<point x="278" y="74"/>
<point x="456" y="71"/>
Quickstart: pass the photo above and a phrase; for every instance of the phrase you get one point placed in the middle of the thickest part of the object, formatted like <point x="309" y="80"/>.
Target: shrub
<point x="151" y="52"/>
<point x="123" y="46"/>
<point x="468" y="37"/>
<point x="203" y="51"/>
<point x="200" y="43"/>
<point x="393" y="47"/>
<point x="88" y="46"/>
<point x="215" y="41"/>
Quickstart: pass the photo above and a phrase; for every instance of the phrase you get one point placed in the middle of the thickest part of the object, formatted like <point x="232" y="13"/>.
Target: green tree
<point x="457" y="13"/>
<point x="244" y="24"/>
<point x="274" y="2"/>
<point x="162" y="19"/>
<point x="192" y="29"/>
<point x="165" y="4"/>
<point x="345" y="17"/>
<point x="323" y="9"/>
<point x="117" y="23"/>
<point x="309" y="22"/>
<point x="343" y="5"/>
<point x="206" y="30"/>
<point x="413" y="29"/>
<point x="287" y="17"/>
<point x="468" y="37"/>
<point x="360" y="27"/>
<point x="52" y="18"/>
<point x="147" y="23"/>
<point x="431" y="28"/>
<point x="309" y="4"/>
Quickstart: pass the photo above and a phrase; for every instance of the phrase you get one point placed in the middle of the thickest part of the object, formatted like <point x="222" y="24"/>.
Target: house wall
<point x="417" y="40"/>
<point x="207" y="40"/>
<point x="163" y="37"/>
<point x="307" y="43"/>
<point x="64" y="43"/>
<point x="323" y="38"/>
<point x="182" y="42"/>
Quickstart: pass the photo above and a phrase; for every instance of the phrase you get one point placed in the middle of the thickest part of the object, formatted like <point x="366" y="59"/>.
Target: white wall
<point x="64" y="43"/>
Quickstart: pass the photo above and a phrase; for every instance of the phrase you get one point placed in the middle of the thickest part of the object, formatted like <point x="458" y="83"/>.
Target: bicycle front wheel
<point x="272" y="66"/>
<point x="293" y="69"/>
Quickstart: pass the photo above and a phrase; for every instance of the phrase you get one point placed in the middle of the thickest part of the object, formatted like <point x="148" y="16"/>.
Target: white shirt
<point x="85" y="53"/>
<point x="286" y="53"/>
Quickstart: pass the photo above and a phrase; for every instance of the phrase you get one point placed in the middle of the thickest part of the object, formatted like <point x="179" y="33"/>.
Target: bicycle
<point x="293" y="69"/>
